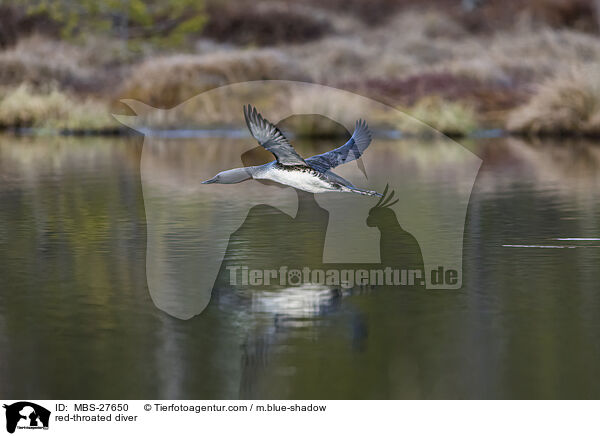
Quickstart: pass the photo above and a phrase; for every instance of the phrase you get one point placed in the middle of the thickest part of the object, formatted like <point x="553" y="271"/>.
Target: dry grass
<point x="524" y="55"/>
<point x="566" y="104"/>
<point x="170" y="80"/>
<point x="407" y="44"/>
<point x="426" y="60"/>
<point x="322" y="108"/>
<point x="25" y="107"/>
<point x="450" y="118"/>
<point x="266" y="23"/>
<point x="40" y="62"/>
<point x="404" y="61"/>
<point x="92" y="66"/>
<point x="420" y="42"/>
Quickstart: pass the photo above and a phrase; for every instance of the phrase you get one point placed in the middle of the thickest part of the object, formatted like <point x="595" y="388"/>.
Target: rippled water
<point x="77" y="319"/>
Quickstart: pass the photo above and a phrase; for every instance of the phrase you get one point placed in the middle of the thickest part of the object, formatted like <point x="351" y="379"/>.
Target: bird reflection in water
<point x="269" y="239"/>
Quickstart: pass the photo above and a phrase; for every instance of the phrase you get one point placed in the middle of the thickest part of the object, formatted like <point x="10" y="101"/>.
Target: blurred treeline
<point x="267" y="22"/>
<point x="161" y="22"/>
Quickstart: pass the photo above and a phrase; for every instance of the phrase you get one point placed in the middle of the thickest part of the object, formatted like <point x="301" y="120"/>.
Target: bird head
<point x="235" y="175"/>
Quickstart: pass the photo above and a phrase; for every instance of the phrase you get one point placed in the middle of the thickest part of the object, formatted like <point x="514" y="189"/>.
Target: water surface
<point x="77" y="319"/>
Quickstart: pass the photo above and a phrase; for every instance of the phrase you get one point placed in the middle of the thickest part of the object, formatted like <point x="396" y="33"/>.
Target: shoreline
<point x="240" y="133"/>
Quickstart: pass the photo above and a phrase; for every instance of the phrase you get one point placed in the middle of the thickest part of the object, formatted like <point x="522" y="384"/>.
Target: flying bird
<point x="289" y="168"/>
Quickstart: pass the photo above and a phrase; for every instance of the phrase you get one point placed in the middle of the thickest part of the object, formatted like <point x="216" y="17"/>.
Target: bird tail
<point x="365" y="192"/>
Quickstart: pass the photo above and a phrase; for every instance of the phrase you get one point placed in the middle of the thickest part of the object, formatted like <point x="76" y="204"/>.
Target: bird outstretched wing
<point x="351" y="150"/>
<point x="271" y="138"/>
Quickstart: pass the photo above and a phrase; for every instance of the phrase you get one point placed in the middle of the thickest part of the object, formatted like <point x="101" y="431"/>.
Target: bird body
<point x="311" y="175"/>
<point x="300" y="177"/>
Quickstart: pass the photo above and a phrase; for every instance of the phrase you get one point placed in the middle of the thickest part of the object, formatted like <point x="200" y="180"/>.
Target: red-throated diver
<point x="311" y="175"/>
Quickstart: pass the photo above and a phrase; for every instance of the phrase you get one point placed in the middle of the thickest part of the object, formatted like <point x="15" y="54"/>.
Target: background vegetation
<point x="527" y="67"/>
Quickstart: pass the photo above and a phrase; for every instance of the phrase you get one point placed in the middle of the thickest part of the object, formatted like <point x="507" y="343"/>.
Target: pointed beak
<point x="213" y="180"/>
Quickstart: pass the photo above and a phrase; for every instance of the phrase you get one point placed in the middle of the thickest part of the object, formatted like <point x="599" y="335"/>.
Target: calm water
<point x="78" y="320"/>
